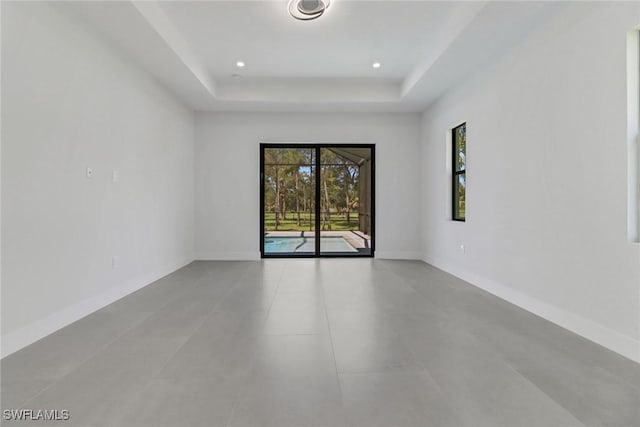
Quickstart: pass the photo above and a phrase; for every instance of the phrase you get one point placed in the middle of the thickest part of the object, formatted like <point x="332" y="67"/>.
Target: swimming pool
<point x="306" y="244"/>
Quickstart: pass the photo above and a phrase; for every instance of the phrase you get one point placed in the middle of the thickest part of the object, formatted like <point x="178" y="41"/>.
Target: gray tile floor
<point x="319" y="343"/>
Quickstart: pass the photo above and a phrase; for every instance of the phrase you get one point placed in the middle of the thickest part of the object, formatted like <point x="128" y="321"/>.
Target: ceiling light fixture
<point x="376" y="65"/>
<point x="306" y="10"/>
<point x="239" y="64"/>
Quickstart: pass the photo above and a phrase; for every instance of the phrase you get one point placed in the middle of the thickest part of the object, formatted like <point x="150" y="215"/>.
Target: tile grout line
<point x="424" y="368"/>
<point x="102" y="348"/>
<point x="188" y="337"/>
<point x="253" y="356"/>
<point x="91" y="356"/>
<point x="514" y="370"/>
<point x="506" y="364"/>
<point x="206" y="317"/>
<point x="333" y="353"/>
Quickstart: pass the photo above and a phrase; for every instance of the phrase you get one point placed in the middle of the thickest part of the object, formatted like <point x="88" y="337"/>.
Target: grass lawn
<point x="307" y="222"/>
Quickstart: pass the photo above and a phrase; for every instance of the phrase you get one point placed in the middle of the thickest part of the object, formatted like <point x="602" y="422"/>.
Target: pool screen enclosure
<point x="317" y="200"/>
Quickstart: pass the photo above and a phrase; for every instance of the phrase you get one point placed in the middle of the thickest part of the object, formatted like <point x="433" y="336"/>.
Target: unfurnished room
<point x="320" y="213"/>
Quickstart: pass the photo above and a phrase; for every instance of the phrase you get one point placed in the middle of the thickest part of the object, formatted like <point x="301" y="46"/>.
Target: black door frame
<point x="316" y="167"/>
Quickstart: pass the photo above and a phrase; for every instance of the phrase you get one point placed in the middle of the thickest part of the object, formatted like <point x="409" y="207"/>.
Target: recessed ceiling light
<point x="240" y="64"/>
<point x="376" y="65"/>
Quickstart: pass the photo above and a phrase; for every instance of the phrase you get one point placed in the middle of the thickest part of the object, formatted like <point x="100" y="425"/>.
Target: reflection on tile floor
<point x="312" y="342"/>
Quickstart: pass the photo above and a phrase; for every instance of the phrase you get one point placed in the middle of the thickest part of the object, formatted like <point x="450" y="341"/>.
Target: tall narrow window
<point x="459" y="175"/>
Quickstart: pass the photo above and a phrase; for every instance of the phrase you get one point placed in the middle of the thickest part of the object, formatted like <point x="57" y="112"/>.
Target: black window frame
<point x="317" y="253"/>
<point x="455" y="173"/>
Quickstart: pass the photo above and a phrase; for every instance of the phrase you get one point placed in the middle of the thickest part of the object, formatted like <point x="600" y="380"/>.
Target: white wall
<point x="547" y="178"/>
<point x="70" y="102"/>
<point x="228" y="164"/>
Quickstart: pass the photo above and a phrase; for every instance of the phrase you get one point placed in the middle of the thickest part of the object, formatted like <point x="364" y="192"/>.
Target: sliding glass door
<point x="288" y="200"/>
<point x="316" y="200"/>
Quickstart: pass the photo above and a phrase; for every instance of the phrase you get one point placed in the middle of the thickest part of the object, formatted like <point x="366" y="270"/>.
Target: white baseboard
<point x="406" y="255"/>
<point x="227" y="256"/>
<point x="31" y="333"/>
<point x="600" y="334"/>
